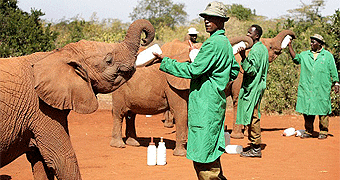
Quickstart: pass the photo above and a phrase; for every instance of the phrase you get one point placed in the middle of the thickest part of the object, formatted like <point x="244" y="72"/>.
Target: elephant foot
<point x="117" y="143"/>
<point x="180" y="152"/>
<point x="132" y="142"/>
<point x="168" y="124"/>
<point x="238" y="135"/>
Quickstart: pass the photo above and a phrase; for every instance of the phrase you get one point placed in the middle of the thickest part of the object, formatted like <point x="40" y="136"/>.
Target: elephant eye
<point x="108" y="59"/>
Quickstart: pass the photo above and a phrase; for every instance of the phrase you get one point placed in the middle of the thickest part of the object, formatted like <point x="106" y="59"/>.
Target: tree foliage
<point x="160" y="12"/>
<point x="23" y="33"/>
<point x="75" y="29"/>
<point x="240" y="12"/>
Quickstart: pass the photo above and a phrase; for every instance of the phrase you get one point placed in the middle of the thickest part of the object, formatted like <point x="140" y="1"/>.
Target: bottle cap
<point x="161" y="139"/>
<point x="151" y="143"/>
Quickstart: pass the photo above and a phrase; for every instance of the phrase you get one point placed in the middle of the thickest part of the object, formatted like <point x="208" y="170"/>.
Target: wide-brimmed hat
<point x="319" y="38"/>
<point x="192" y="31"/>
<point x="215" y="8"/>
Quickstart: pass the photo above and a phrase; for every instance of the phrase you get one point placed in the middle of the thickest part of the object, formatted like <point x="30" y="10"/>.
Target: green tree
<point x="75" y="29"/>
<point x="308" y="12"/>
<point x="240" y="12"/>
<point x="160" y="12"/>
<point x="23" y="33"/>
<point x="333" y="30"/>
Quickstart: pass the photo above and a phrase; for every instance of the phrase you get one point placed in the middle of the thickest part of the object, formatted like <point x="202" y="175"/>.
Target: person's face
<point x="213" y="23"/>
<point x="315" y="45"/>
<point x="252" y="33"/>
<point x="193" y="37"/>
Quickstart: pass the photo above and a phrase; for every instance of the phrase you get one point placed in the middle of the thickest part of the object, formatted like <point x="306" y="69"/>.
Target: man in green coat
<point x="318" y="72"/>
<point x="255" y="68"/>
<point x="213" y="67"/>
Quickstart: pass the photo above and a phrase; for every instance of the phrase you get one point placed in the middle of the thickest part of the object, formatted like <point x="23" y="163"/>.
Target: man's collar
<point x="218" y="32"/>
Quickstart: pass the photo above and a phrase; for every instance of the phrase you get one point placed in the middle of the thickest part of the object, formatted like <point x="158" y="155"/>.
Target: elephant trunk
<point x="279" y="37"/>
<point x="133" y="36"/>
<point x="247" y="40"/>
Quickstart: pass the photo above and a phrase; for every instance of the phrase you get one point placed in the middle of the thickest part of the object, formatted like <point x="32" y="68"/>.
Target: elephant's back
<point x="17" y="95"/>
<point x="146" y="77"/>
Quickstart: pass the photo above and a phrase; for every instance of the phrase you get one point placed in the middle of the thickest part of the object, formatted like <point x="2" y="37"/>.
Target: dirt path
<point x="283" y="157"/>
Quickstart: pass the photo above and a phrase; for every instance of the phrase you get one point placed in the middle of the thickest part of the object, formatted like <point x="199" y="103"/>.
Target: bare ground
<point x="283" y="157"/>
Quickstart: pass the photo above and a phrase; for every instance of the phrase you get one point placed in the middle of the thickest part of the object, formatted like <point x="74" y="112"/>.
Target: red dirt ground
<point x="283" y="157"/>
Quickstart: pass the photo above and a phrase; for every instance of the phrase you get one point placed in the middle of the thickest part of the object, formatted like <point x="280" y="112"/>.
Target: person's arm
<point x="205" y="59"/>
<point x="291" y="50"/>
<point x="296" y="57"/>
<point x="249" y="63"/>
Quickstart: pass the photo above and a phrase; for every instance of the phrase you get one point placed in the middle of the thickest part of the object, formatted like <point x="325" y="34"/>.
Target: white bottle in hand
<point x="161" y="153"/>
<point x="151" y="155"/>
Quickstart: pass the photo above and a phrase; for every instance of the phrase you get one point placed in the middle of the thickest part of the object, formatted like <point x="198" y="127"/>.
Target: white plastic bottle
<point x="161" y="153"/>
<point x="151" y="155"/>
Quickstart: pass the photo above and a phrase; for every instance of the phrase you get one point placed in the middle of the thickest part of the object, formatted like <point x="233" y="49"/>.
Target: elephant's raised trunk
<point x="133" y="36"/>
<point x="247" y="40"/>
<point x="279" y="37"/>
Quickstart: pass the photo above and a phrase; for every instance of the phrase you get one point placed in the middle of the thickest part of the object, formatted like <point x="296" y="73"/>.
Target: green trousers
<point x="209" y="171"/>
<point x="323" y="124"/>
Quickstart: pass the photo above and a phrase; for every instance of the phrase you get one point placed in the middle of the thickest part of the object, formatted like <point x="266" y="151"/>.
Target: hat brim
<point x="319" y="40"/>
<point x="207" y="14"/>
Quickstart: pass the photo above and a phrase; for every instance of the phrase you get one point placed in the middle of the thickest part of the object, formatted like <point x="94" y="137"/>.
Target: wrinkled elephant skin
<point x="38" y="91"/>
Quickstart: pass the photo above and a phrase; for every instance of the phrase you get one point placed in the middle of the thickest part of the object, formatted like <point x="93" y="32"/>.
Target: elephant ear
<point x="177" y="82"/>
<point x="64" y="85"/>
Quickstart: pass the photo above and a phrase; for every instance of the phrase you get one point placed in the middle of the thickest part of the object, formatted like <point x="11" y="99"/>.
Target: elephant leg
<point x="169" y="119"/>
<point x="116" y="140"/>
<point x="130" y="131"/>
<point x="237" y="128"/>
<point x="55" y="147"/>
<point x="39" y="167"/>
<point x="178" y="105"/>
<point x="181" y="134"/>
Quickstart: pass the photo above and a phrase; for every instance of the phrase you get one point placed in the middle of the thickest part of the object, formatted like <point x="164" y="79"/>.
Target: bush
<point x="22" y="33"/>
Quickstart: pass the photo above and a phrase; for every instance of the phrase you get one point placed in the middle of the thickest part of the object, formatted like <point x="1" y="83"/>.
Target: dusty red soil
<point x="283" y="157"/>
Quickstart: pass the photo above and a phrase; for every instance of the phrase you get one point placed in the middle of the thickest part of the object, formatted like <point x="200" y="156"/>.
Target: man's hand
<point x="191" y="46"/>
<point x="158" y="58"/>
<point x="242" y="52"/>
<point x="337" y="88"/>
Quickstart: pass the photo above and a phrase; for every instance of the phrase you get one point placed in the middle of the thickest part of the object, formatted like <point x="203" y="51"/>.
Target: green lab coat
<point x="213" y="67"/>
<point x="255" y="68"/>
<point x="315" y="82"/>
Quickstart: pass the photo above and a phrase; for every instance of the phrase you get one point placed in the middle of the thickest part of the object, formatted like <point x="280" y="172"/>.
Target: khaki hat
<point x="215" y="8"/>
<point x="318" y="37"/>
<point x="192" y="31"/>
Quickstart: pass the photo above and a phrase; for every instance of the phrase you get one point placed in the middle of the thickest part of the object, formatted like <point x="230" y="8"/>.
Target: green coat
<point x="315" y="82"/>
<point x="255" y="68"/>
<point x="213" y="68"/>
